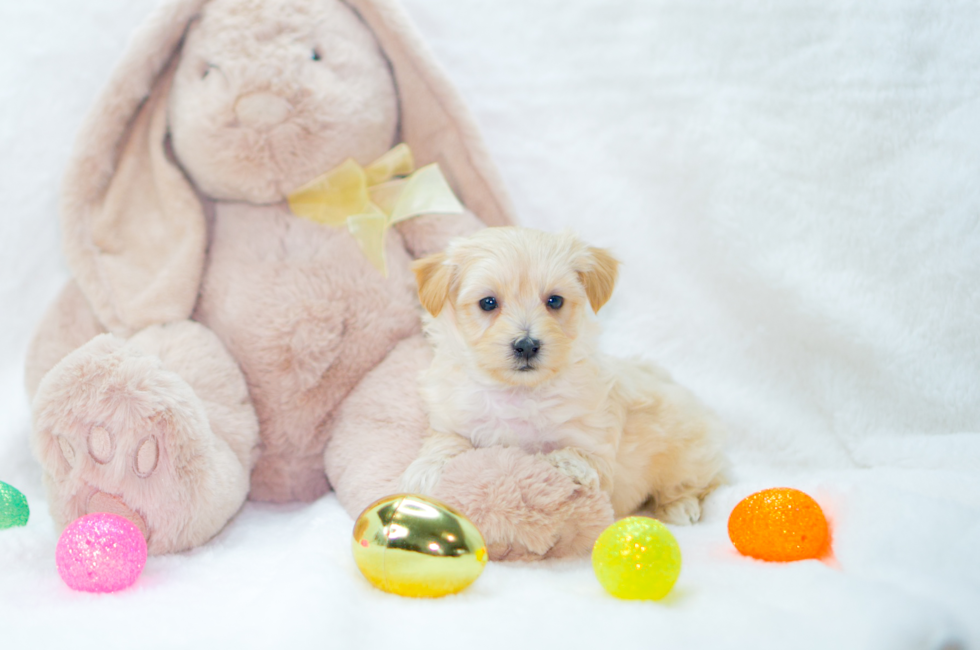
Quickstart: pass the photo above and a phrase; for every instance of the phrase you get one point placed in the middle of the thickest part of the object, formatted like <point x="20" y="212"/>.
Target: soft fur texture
<point x="161" y="423"/>
<point x="516" y="364"/>
<point x="192" y="274"/>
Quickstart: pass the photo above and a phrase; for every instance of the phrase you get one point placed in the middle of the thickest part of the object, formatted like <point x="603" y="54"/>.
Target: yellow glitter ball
<point x="779" y="525"/>
<point x="637" y="558"/>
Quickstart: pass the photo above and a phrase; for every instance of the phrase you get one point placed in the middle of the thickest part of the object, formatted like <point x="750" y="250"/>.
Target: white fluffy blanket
<point x="794" y="190"/>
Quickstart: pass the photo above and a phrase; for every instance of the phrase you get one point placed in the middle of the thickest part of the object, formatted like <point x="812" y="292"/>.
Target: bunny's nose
<point x="262" y="110"/>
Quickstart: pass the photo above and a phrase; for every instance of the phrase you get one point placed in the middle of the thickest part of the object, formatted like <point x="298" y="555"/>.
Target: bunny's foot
<point x="119" y="429"/>
<point x="525" y="507"/>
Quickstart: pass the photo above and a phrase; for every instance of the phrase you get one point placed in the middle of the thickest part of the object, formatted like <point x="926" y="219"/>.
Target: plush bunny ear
<point x="434" y="121"/>
<point x="134" y="229"/>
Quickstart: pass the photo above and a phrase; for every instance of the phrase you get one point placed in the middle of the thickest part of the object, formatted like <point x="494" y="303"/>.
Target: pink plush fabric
<point x="161" y="422"/>
<point x="525" y="509"/>
<point x="213" y="346"/>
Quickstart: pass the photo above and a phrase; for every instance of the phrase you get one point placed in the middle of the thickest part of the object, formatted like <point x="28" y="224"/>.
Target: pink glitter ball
<point x="100" y="552"/>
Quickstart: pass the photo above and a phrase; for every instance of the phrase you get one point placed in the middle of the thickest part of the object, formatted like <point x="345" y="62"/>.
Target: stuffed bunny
<point x="212" y="345"/>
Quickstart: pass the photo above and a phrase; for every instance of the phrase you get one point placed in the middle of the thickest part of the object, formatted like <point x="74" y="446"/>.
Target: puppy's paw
<point x="682" y="512"/>
<point x="573" y="464"/>
<point x="422" y="476"/>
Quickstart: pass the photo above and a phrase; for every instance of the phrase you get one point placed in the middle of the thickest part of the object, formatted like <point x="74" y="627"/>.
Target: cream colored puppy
<point x="516" y="364"/>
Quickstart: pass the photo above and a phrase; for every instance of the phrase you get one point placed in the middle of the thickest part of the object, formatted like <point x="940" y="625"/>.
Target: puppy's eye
<point x="555" y="302"/>
<point x="488" y="304"/>
<point x="316" y="54"/>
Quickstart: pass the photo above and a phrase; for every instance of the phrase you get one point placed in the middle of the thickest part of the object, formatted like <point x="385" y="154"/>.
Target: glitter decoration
<point x="637" y="558"/>
<point x="779" y="525"/>
<point x="100" y="552"/>
<point x="13" y="507"/>
<point x="415" y="546"/>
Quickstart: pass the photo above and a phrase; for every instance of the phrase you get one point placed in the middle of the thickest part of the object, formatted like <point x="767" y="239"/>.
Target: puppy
<point x="516" y="363"/>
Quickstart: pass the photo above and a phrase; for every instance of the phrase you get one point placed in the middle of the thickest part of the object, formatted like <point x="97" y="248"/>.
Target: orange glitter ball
<point x="779" y="525"/>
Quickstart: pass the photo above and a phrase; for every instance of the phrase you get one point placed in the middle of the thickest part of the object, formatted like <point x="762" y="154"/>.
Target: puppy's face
<point x="517" y="298"/>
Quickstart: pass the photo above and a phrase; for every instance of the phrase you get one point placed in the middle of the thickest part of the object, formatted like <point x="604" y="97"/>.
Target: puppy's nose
<point x="526" y="348"/>
<point x="262" y="110"/>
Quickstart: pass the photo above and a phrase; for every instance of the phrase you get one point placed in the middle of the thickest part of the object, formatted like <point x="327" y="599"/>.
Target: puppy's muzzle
<point x="526" y="349"/>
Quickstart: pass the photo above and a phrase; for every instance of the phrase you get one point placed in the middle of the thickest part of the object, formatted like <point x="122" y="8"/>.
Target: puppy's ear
<point x="599" y="276"/>
<point x="433" y="275"/>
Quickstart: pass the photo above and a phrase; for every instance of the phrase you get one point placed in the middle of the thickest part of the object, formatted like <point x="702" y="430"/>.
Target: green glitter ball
<point x="13" y="507"/>
<point x="637" y="558"/>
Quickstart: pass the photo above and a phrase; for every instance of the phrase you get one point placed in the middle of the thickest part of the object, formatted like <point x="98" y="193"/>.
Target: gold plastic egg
<point x="415" y="546"/>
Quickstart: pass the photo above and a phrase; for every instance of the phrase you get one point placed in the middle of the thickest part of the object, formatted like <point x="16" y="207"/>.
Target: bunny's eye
<point x="316" y="54"/>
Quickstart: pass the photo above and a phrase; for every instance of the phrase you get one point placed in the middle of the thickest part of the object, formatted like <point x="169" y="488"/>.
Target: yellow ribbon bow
<point x="371" y="199"/>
